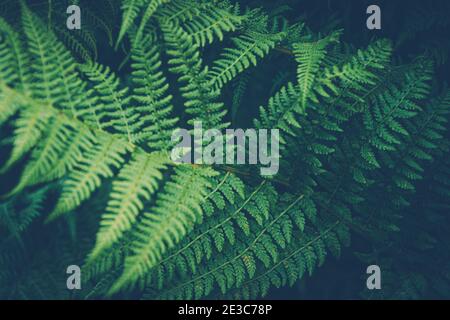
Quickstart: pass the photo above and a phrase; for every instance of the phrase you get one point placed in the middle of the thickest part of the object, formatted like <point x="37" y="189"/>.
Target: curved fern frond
<point x="229" y="189"/>
<point x="248" y="48"/>
<point x="46" y="156"/>
<point x="136" y="182"/>
<point x="82" y="44"/>
<point x="19" y="212"/>
<point x="29" y="128"/>
<point x="97" y="163"/>
<point x="174" y="215"/>
<point x="152" y="6"/>
<point x="130" y="9"/>
<point x="355" y="73"/>
<point x="179" y="11"/>
<point x="295" y="262"/>
<point x="213" y="22"/>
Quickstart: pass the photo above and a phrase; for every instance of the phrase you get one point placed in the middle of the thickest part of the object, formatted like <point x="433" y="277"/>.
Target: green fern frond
<point x="29" y="128"/>
<point x="230" y="271"/>
<point x="14" y="62"/>
<point x="181" y="11"/>
<point x="152" y="97"/>
<point x="228" y="190"/>
<point x="46" y="157"/>
<point x="309" y="57"/>
<point x="285" y="106"/>
<point x="295" y="262"/>
<point x="82" y="44"/>
<point x="248" y="48"/>
<point x="201" y="101"/>
<point x="213" y="236"/>
<point x="137" y="181"/>
<point x="97" y="163"/>
<point x="212" y="23"/>
<point x="18" y="213"/>
<point x="174" y="215"/>
<point x="8" y="107"/>
<point x="55" y="80"/>
<point x="112" y="107"/>
<point x="391" y="106"/>
<point x="130" y="9"/>
<point x="106" y="22"/>
<point x="420" y="142"/>
<point x="152" y="6"/>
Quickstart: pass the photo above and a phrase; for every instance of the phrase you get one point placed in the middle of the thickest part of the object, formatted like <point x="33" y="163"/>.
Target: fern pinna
<point x="92" y="144"/>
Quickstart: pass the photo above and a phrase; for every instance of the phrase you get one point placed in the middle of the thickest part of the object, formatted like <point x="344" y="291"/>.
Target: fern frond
<point x="213" y="236"/>
<point x="333" y="83"/>
<point x="229" y="190"/>
<point x="82" y="44"/>
<point x="309" y="57"/>
<point x="201" y="101"/>
<point x="97" y="163"/>
<point x="106" y="22"/>
<point x="130" y="11"/>
<point x="181" y="11"/>
<point x="29" y="129"/>
<point x="14" y="61"/>
<point x="112" y="108"/>
<point x="137" y="181"/>
<point x="232" y="270"/>
<point x="212" y="23"/>
<point x="393" y="105"/>
<point x="8" y="107"/>
<point x="296" y="261"/>
<point x="281" y="111"/>
<point x="152" y="6"/>
<point x="152" y="97"/>
<point x="248" y="48"/>
<point x="174" y="215"/>
<point x="420" y="143"/>
<point x="55" y="79"/>
<point x="18" y="213"/>
<point x="47" y="154"/>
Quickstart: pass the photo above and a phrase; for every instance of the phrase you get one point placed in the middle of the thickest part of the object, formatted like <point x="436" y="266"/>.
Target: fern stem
<point x="218" y="186"/>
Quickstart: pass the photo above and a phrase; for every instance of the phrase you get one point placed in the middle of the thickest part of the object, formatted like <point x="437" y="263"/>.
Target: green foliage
<point x="360" y="134"/>
<point x="151" y="96"/>
<point x="253" y="44"/>
<point x="309" y="57"/>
